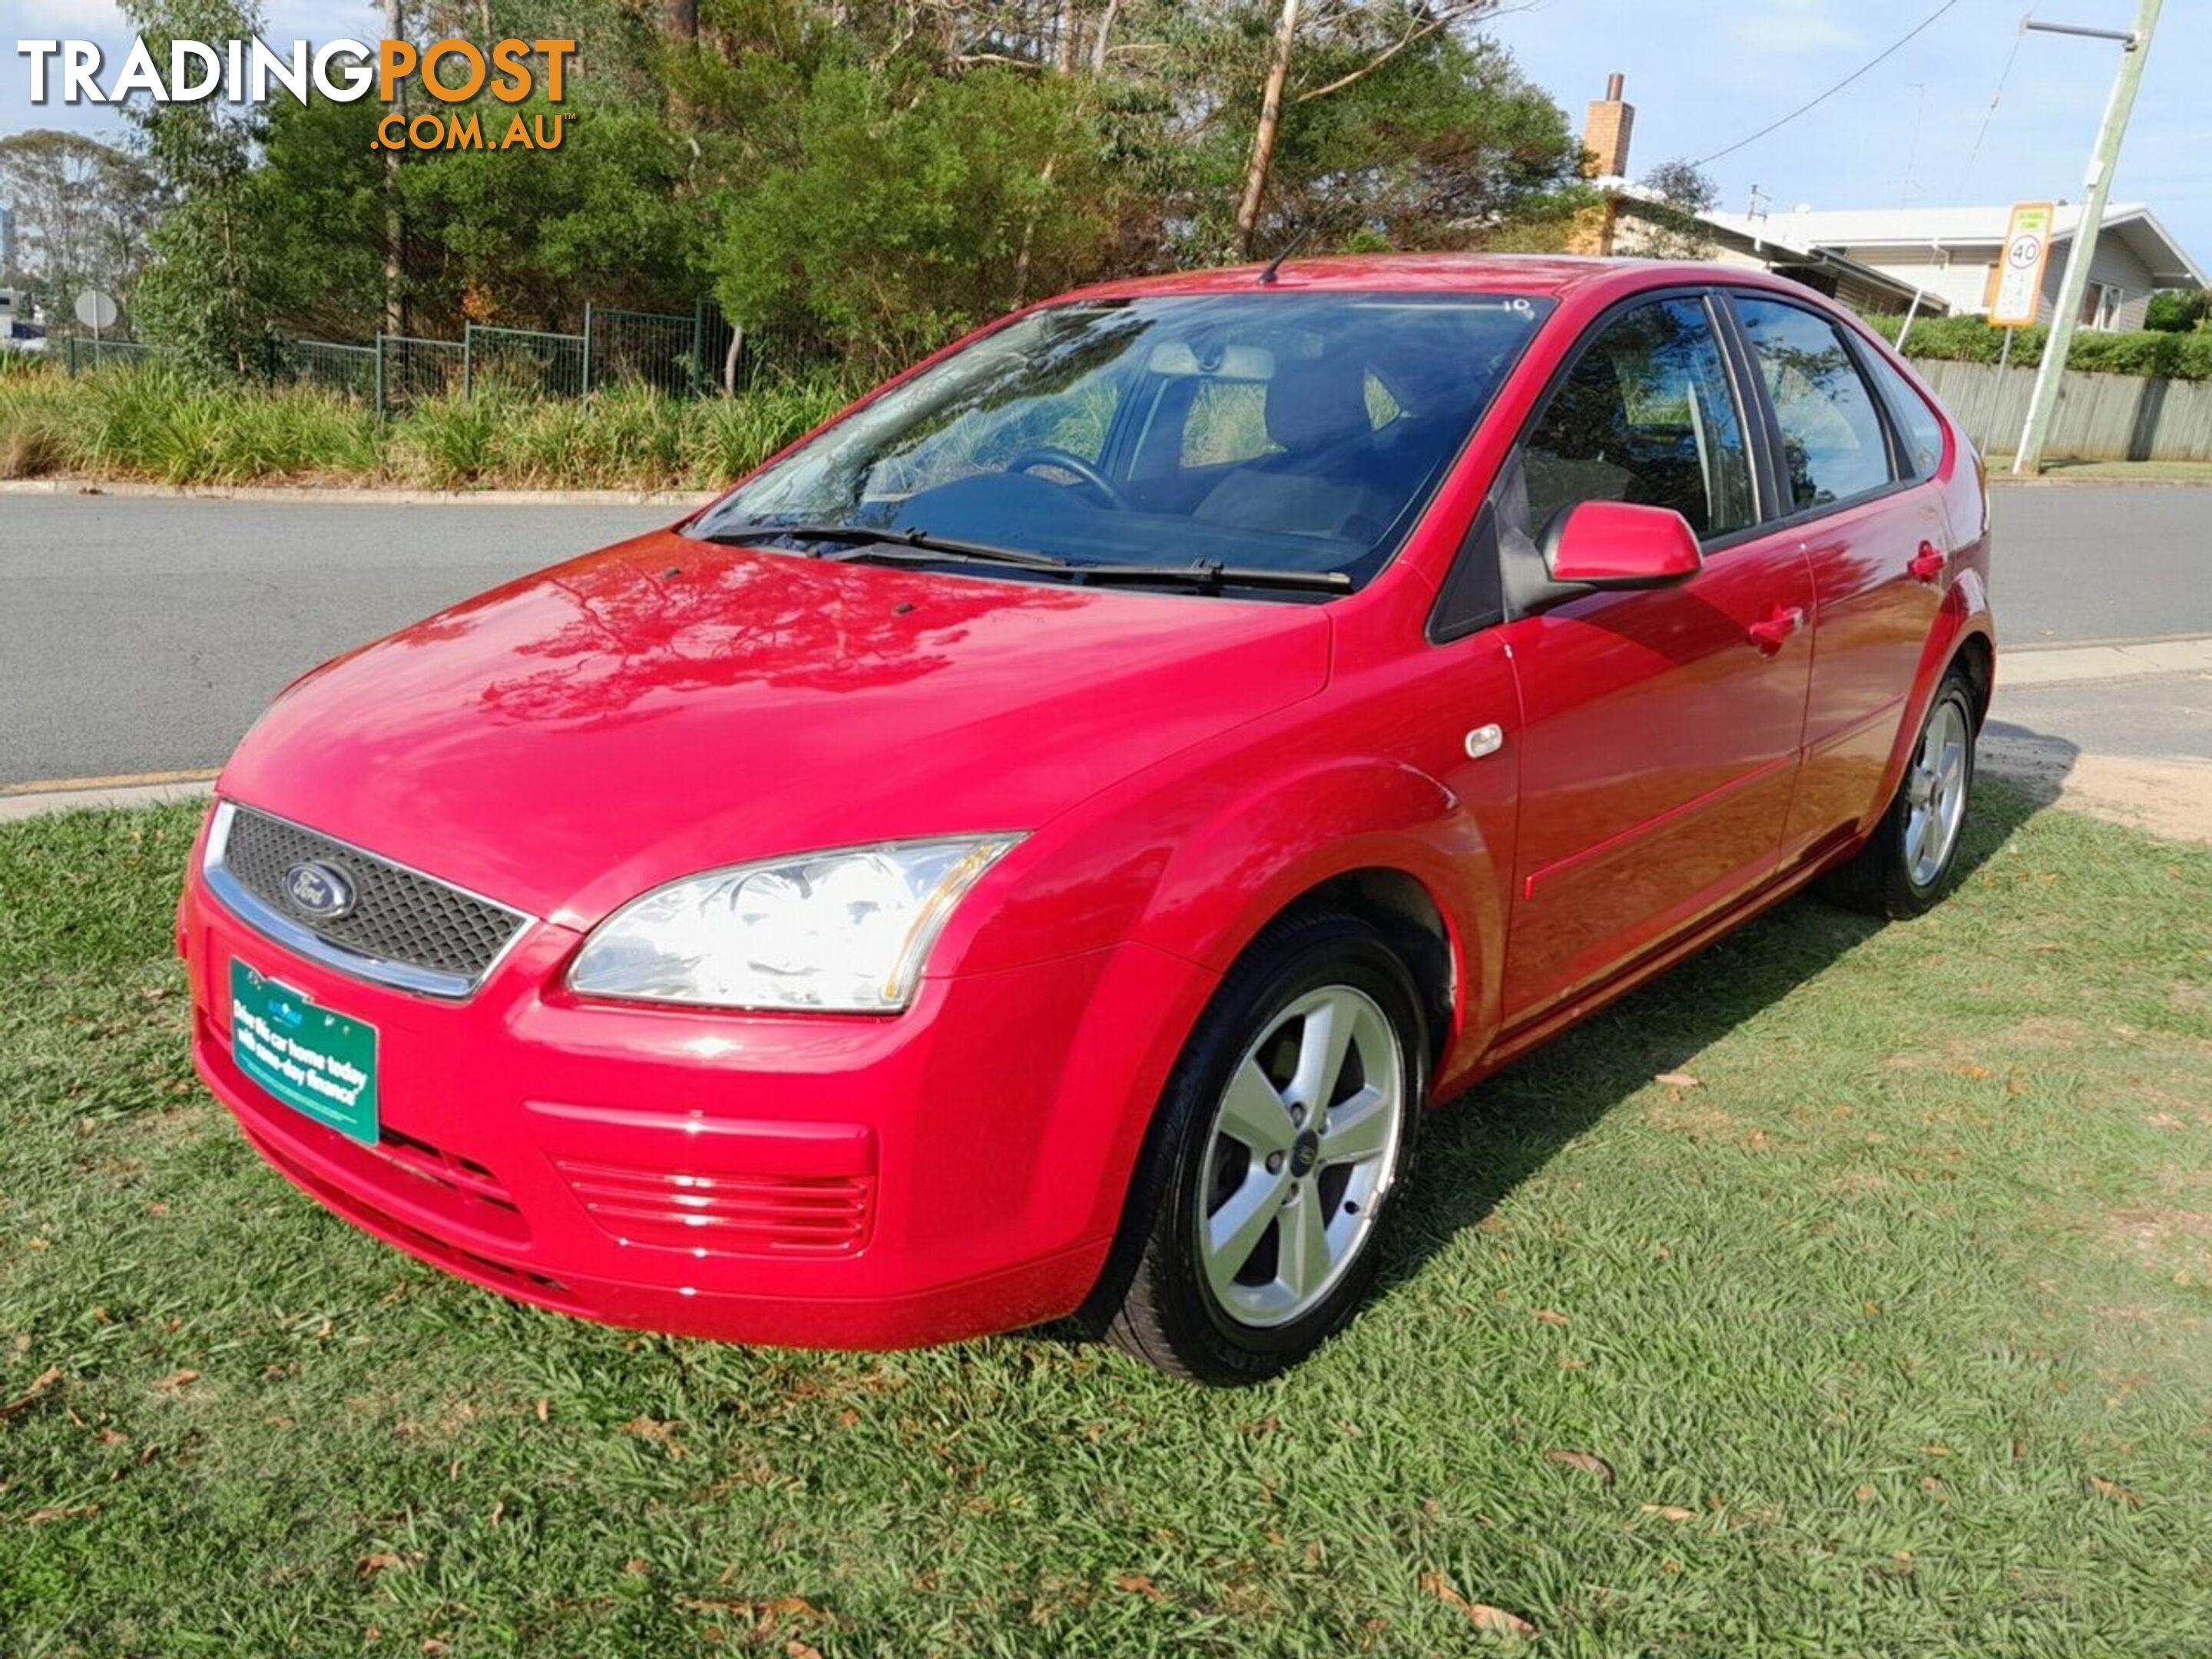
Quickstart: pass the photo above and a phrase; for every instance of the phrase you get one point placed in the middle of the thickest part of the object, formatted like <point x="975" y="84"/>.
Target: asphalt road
<point x="2077" y="562"/>
<point x="2144" y="720"/>
<point x="142" y="636"/>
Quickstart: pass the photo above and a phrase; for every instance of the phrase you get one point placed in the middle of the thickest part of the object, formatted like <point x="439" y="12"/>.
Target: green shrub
<point x="152" y="422"/>
<point x="2179" y="311"/>
<point x="2149" y="353"/>
<point x="450" y="443"/>
<point x="25" y="366"/>
<point x="725" y="438"/>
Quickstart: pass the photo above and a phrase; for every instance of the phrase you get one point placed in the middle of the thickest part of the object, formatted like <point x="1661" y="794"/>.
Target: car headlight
<point x="844" y="932"/>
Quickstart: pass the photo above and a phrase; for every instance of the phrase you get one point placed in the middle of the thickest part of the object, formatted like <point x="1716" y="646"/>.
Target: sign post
<point x="2021" y="263"/>
<point x="2020" y="270"/>
<point x="2074" y="285"/>
<point x="97" y="312"/>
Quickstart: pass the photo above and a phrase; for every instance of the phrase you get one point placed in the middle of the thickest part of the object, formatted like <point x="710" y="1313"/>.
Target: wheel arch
<point x="1379" y="839"/>
<point x="1399" y="907"/>
<point x="1963" y="637"/>
<point x="1976" y="655"/>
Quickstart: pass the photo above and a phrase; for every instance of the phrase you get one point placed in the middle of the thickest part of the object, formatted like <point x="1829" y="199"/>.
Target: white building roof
<point x="2170" y="264"/>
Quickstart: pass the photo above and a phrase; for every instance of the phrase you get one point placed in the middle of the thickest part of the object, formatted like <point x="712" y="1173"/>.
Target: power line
<point x="1888" y="51"/>
<point x="1995" y="98"/>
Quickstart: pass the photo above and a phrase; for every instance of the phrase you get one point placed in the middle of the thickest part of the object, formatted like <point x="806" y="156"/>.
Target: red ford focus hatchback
<point x="1039" y="843"/>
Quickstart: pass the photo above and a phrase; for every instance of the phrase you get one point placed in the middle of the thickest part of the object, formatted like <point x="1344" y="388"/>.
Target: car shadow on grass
<point x="1479" y="1147"/>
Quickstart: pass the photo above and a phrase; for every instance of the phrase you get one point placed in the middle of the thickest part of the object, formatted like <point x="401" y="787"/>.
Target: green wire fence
<point x="680" y="355"/>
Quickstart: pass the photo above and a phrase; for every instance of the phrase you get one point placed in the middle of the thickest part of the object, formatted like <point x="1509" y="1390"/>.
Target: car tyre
<point x="1253" y="1227"/>
<point x="1911" y="859"/>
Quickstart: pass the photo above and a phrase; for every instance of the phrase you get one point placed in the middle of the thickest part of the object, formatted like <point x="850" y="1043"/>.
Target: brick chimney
<point x="1606" y="133"/>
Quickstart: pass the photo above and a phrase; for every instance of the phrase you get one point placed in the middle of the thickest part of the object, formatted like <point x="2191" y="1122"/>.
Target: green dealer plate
<point x="317" y="1063"/>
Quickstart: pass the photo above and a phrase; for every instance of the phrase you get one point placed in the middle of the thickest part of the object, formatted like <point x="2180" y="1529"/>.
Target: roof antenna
<point x="1275" y="264"/>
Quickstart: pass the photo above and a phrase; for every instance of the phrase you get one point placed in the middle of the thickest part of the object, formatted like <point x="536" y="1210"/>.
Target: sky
<point x="1703" y="76"/>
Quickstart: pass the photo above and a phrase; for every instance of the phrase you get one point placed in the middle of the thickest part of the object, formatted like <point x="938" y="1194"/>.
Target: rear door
<point x="1661" y="729"/>
<point x="1856" y="485"/>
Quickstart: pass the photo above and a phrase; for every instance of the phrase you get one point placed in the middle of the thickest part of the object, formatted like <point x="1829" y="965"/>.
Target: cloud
<point x="1793" y="28"/>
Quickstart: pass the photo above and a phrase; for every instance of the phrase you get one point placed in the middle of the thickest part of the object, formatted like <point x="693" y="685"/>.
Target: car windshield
<point x="1263" y="432"/>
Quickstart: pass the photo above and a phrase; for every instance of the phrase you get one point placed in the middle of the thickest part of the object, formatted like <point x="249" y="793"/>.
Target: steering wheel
<point x="1061" y="461"/>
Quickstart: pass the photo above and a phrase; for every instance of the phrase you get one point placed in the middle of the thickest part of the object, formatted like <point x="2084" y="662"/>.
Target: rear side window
<point x="1833" y="441"/>
<point x="1647" y="416"/>
<point x="1922" y="429"/>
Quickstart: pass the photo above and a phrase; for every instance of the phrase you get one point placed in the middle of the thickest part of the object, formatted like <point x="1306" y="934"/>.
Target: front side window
<point x="1646" y="415"/>
<point x="1289" y="432"/>
<point x="1833" y="445"/>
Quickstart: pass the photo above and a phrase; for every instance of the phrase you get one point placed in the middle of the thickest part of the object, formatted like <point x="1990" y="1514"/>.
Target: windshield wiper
<point x="1211" y="574"/>
<point x="919" y="547"/>
<point x="868" y="542"/>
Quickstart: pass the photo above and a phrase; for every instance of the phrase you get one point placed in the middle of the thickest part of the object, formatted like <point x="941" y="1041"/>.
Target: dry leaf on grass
<point x="1587" y="1462"/>
<point x="39" y="1517"/>
<point x="45" y="1379"/>
<point x="382" y="1561"/>
<point x="1137" y="1584"/>
<point x="1481" y="1615"/>
<point x="1678" y="1080"/>
<point x="652" y="1428"/>
<point x="763" y="1613"/>
<point x="177" y="1380"/>
<point x="1550" y="1317"/>
<point x="2115" y="1491"/>
<point x="1670" y="1512"/>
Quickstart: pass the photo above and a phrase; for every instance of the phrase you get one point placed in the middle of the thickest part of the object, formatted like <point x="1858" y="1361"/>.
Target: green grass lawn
<point x="1864" y="1271"/>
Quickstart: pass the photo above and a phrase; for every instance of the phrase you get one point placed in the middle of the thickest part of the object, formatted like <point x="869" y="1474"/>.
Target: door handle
<point x="1770" y="635"/>
<point x="1928" y="565"/>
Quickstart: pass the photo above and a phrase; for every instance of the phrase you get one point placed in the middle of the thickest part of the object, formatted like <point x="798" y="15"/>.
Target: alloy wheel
<point x="1303" y="1144"/>
<point x="1935" y="793"/>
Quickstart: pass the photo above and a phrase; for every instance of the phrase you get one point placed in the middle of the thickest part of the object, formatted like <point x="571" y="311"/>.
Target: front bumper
<point x="806" y="1181"/>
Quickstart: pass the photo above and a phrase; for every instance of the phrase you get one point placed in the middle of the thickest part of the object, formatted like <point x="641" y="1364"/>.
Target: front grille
<point x="399" y="919"/>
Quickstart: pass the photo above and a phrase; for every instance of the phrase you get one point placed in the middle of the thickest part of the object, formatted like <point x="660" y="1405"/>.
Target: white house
<point x="1953" y="252"/>
<point x="1936" y="260"/>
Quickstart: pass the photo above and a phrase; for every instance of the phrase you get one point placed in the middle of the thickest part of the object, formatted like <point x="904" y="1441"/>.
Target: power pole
<point x="2134" y="51"/>
<point x="395" y="224"/>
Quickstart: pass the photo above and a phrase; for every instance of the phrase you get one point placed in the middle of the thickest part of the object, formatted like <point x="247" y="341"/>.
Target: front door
<point x="1660" y="729"/>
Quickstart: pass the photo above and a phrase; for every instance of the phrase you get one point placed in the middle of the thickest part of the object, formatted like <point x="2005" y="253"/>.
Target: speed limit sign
<point x="2020" y="268"/>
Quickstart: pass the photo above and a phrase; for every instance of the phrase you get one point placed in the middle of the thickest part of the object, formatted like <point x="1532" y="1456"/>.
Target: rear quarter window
<point x="1920" y="426"/>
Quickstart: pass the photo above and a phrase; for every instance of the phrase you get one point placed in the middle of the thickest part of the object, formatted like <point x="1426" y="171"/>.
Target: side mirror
<point x="1619" y="544"/>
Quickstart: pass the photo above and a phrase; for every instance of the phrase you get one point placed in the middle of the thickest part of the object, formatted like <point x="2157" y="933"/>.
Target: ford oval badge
<point x="317" y="890"/>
